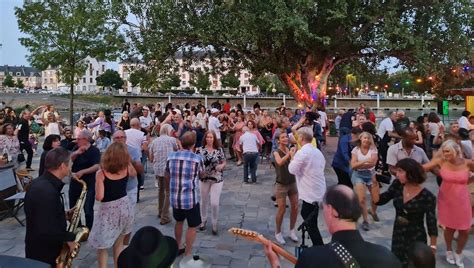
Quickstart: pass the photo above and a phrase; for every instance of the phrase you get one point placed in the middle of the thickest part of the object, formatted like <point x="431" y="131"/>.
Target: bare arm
<point x="99" y="185"/>
<point x="434" y="163"/>
<point x="131" y="170"/>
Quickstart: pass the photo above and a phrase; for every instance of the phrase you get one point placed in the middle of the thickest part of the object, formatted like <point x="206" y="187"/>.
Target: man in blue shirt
<point x="183" y="170"/>
<point x="342" y="158"/>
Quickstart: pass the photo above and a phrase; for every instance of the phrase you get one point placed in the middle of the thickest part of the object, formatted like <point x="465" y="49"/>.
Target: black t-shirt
<point x="126" y="107"/>
<point x="86" y="160"/>
<point x="23" y="130"/>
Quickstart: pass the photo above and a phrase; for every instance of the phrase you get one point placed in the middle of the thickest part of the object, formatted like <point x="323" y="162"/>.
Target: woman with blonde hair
<point x="454" y="200"/>
<point x="114" y="218"/>
<point x="363" y="161"/>
<point x="211" y="184"/>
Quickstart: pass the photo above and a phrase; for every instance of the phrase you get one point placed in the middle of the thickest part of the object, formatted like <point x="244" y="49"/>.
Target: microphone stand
<point x="303" y="228"/>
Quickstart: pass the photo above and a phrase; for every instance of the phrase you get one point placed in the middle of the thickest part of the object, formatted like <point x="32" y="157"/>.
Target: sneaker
<point x="458" y="258"/>
<point x="279" y="238"/>
<point x="293" y="236"/>
<point x="365" y="226"/>
<point x="142" y="188"/>
<point x="450" y="257"/>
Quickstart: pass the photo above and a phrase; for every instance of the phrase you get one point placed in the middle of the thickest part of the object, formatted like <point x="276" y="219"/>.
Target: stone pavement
<point x="245" y="206"/>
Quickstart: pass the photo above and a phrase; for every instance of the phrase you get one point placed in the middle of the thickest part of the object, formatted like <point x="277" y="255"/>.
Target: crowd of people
<point x="190" y="146"/>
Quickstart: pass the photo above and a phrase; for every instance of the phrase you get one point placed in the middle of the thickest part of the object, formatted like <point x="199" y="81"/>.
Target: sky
<point x="13" y="53"/>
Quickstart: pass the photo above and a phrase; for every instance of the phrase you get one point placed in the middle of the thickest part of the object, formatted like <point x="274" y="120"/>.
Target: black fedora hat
<point x="149" y="248"/>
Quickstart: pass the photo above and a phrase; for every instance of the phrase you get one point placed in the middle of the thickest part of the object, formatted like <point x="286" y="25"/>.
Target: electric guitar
<point x="256" y="237"/>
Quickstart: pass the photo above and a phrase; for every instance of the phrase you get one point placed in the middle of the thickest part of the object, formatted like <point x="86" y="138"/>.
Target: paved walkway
<point x="242" y="205"/>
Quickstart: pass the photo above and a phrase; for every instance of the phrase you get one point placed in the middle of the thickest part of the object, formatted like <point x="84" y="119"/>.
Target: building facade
<point x="126" y="68"/>
<point x="30" y="76"/>
<point x="85" y="84"/>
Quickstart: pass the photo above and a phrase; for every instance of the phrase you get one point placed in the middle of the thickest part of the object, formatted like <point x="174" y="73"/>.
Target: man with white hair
<point x="308" y="167"/>
<point x="85" y="163"/>
<point x="137" y="139"/>
<point x="214" y="123"/>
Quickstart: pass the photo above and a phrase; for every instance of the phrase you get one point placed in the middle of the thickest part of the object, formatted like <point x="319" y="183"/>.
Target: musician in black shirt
<point x="341" y="211"/>
<point x="45" y="216"/>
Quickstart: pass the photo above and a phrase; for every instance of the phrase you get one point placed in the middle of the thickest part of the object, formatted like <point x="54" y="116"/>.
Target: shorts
<point x="284" y="190"/>
<point x="362" y="176"/>
<point x="193" y="216"/>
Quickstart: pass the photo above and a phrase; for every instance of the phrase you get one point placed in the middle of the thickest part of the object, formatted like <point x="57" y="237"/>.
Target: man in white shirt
<point x="146" y="122"/>
<point x="463" y="121"/>
<point x="386" y="132"/>
<point x="308" y="167"/>
<point x="214" y="123"/>
<point x="250" y="147"/>
<point x="137" y="139"/>
<point x="406" y="148"/>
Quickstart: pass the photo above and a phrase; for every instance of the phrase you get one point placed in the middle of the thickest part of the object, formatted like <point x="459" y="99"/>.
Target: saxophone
<point x="64" y="260"/>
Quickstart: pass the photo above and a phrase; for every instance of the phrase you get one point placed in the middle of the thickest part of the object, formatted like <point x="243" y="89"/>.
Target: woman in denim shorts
<point x="363" y="161"/>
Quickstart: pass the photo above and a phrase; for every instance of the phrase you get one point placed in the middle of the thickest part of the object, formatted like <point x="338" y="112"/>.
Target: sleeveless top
<point x="114" y="189"/>
<point x="283" y="175"/>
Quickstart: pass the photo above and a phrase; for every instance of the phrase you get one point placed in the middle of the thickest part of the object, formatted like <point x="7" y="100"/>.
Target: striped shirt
<point x="184" y="168"/>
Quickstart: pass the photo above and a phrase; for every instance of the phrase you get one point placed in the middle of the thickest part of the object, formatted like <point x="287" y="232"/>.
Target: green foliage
<point x="230" y="80"/>
<point x="142" y="78"/>
<point x="171" y="81"/>
<point x="19" y="83"/>
<point x="8" y="81"/>
<point x="200" y="80"/>
<point x="110" y="79"/>
<point x="63" y="33"/>
<point x="266" y="83"/>
<point x="302" y="41"/>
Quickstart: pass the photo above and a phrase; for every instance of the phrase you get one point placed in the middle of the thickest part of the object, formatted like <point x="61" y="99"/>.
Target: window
<point x="96" y="73"/>
<point x="51" y="80"/>
<point x="247" y="75"/>
<point x="246" y="82"/>
<point x="103" y="68"/>
<point x="45" y="81"/>
<point x="183" y="76"/>
<point x="90" y="79"/>
<point x="90" y="69"/>
<point x="84" y="80"/>
<point x="18" y="73"/>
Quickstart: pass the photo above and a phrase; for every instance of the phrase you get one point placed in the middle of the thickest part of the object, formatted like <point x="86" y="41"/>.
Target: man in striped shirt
<point x="183" y="170"/>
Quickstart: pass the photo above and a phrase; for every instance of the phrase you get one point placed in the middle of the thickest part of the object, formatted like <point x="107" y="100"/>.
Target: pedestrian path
<point x="245" y="206"/>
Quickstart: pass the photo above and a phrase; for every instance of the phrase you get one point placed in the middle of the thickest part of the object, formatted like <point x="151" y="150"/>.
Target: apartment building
<point x="30" y="76"/>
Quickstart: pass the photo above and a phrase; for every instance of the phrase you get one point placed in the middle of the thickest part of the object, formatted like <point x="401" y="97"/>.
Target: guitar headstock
<point x="247" y="234"/>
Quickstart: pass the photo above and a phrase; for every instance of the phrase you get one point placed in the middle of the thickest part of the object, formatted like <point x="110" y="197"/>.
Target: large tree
<point x="230" y="80"/>
<point x="8" y="82"/>
<point x="110" y="79"/>
<point x="19" y="84"/>
<point x="63" y="33"/>
<point x="303" y="41"/>
<point x="200" y="80"/>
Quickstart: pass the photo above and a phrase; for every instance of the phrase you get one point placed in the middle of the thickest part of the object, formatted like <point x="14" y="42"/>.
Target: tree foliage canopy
<point x="303" y="41"/>
<point x="63" y="33"/>
<point x="110" y="78"/>
<point x="230" y="80"/>
<point x="200" y="80"/>
<point x="8" y="81"/>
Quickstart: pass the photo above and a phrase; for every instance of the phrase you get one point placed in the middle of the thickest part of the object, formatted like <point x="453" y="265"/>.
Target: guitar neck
<point x="279" y="250"/>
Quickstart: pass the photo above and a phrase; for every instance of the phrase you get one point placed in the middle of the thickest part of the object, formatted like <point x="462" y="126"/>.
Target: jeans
<point x="75" y="190"/>
<point x="312" y="226"/>
<point x="250" y="161"/>
<point x="26" y="145"/>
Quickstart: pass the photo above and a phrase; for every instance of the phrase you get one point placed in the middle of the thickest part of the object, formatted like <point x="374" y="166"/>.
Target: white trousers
<point x="213" y="190"/>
